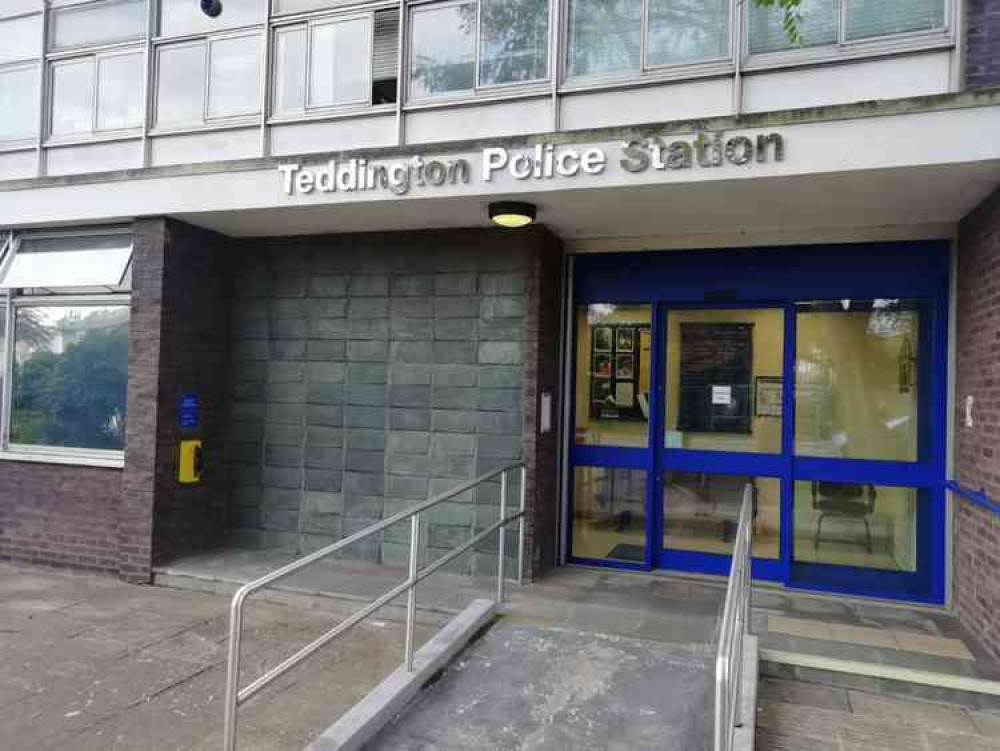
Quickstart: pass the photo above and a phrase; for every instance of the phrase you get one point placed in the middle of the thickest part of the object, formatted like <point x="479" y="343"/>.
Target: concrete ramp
<point x="522" y="687"/>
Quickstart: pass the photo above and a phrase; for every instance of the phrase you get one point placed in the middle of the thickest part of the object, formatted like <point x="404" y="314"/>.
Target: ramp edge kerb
<point x="365" y="719"/>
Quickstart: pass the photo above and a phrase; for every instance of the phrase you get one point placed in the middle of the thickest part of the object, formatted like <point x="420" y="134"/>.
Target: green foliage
<point x="76" y="399"/>
<point x="791" y="18"/>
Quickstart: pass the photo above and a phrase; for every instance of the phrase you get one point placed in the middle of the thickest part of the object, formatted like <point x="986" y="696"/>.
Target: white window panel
<point x="180" y="96"/>
<point x="604" y="37"/>
<point x="66" y="269"/>
<point x="284" y="7"/>
<point x="22" y="38"/>
<point x="73" y="97"/>
<point x="99" y="23"/>
<point x="819" y="26"/>
<point x="681" y="32"/>
<point x="185" y="17"/>
<point x="234" y="79"/>
<point x="290" y="69"/>
<point x="340" y="61"/>
<point x="873" y="18"/>
<point x="514" y="41"/>
<point x="19" y="93"/>
<point x="120" y="91"/>
<point x="442" y="50"/>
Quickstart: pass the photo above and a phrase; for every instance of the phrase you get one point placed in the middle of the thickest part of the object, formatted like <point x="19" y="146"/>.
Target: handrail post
<point x="411" y="595"/>
<point x="520" y="532"/>
<point x="503" y="537"/>
<point x="232" y="674"/>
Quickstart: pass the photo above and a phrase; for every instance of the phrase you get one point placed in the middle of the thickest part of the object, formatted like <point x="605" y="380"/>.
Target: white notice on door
<point x="722" y="395"/>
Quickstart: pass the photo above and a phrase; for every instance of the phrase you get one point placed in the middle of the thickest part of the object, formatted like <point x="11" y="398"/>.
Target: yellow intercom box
<point x="190" y="466"/>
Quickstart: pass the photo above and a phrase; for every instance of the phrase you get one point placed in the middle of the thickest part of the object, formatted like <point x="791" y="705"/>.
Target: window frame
<point x="29" y="141"/>
<point x="63" y="5"/>
<point x="478" y="91"/>
<point x="10" y="302"/>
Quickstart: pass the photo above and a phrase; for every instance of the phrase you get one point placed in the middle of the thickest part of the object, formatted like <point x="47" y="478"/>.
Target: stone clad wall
<point x="372" y="371"/>
<point x="982" y="44"/>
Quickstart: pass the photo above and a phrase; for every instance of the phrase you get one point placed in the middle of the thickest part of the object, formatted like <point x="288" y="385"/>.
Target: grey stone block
<point x="283" y="456"/>
<point x="501" y="284"/>
<point x="504" y="423"/>
<point x="310" y="542"/>
<point x="244" y="474"/>
<point x="251" y="349"/>
<point x="288" y="328"/>
<point x="408" y="486"/>
<point x="455" y="329"/>
<point x="326" y="349"/>
<point x="245" y="518"/>
<point x="285" y="372"/>
<point x="440" y="486"/>
<point x="368" y="372"/>
<point x="500" y="353"/>
<point x="324" y="437"/>
<point x="369" y="285"/>
<point x="364" y="417"/>
<point x="501" y="307"/>
<point x="324" y="457"/>
<point x="412" y="329"/>
<point x="411" y="375"/>
<point x="412" y="352"/>
<point x="500" y="399"/>
<point x="454" y="398"/>
<point x="287" y="349"/>
<point x="285" y="392"/>
<point x="368" y="327"/>
<point x="412" y="307"/>
<point x="501" y="376"/>
<point x="246" y="498"/>
<point x="501" y="446"/>
<point x="325" y="372"/>
<point x="330" y="416"/>
<point x="247" y="371"/>
<point x="410" y="396"/>
<point x="327" y="328"/>
<point x="363" y="483"/>
<point x="489" y="463"/>
<point x="446" y="537"/>
<point x="285" y="414"/>
<point x="286" y="285"/>
<point x="454" y="421"/>
<point x="456" y="307"/>
<point x="410" y="419"/>
<point x="366" y="440"/>
<point x="411" y="464"/>
<point x="280" y="520"/>
<point x="327" y="286"/>
<point x="453" y="466"/>
<point x="248" y="392"/>
<point x="365" y="461"/>
<point x="287" y="308"/>
<point x="455" y="375"/>
<point x="251" y="328"/>
<point x="452" y="444"/>
<point x="325" y="524"/>
<point x="409" y="442"/>
<point x="324" y="480"/>
<point x="282" y="477"/>
<point x="323" y="503"/>
<point x="366" y="394"/>
<point x="275" y="498"/>
<point x="334" y="307"/>
<point x="283" y="435"/>
<point x="366" y="508"/>
<point x="452" y="515"/>
<point x="412" y="284"/>
<point x="455" y="284"/>
<point x="367" y="351"/>
<point x="454" y="353"/>
<point x="501" y="329"/>
<point x="325" y="393"/>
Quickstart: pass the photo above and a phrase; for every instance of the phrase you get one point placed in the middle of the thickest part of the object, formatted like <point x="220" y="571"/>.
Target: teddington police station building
<point x="270" y="277"/>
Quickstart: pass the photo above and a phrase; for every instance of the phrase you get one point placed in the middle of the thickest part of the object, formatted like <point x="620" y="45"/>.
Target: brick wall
<point x="373" y="371"/>
<point x="976" y="577"/>
<point x="982" y="53"/>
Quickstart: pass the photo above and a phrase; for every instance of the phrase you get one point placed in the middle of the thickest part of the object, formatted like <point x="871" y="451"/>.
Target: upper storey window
<point x="20" y="54"/>
<point x="606" y="38"/>
<point x="97" y="23"/>
<point x="829" y="22"/>
<point x="185" y="17"/>
<point x="459" y="48"/>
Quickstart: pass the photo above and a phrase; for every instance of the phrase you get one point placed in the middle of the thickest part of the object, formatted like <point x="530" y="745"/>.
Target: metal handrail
<point x="733" y="631"/>
<point x="236" y="696"/>
<point x="977" y="497"/>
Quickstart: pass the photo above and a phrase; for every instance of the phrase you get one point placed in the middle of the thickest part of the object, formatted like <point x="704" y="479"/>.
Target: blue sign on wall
<point x="189" y="411"/>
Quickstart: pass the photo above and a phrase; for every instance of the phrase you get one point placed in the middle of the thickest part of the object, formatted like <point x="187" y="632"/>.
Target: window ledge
<point x="111" y="460"/>
<point x="887" y="47"/>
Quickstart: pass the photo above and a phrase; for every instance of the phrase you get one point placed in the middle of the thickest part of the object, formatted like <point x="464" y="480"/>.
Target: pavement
<point x="92" y="664"/>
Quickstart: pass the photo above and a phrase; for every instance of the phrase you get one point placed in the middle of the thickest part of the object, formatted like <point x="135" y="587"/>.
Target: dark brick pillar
<point x="982" y="52"/>
<point x="976" y="579"/>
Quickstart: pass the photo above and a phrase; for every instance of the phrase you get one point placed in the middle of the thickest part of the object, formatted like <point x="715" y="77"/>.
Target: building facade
<point x="759" y="259"/>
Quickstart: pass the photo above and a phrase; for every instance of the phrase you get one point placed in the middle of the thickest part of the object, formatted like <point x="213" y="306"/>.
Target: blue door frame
<point x="778" y="278"/>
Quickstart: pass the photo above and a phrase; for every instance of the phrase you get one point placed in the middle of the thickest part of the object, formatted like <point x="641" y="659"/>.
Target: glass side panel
<point x="856" y="379"/>
<point x="868" y="526"/>
<point x="339" y="64"/>
<point x="233" y="87"/>
<point x="70" y="376"/>
<point x="180" y="96"/>
<point x="609" y="514"/>
<point x="443" y="50"/>
<point x="724" y="385"/>
<point x="604" y="37"/>
<point x="290" y="51"/>
<point x="98" y="23"/>
<point x="819" y="25"/>
<point x="514" y="41"/>
<point x="701" y="512"/>
<point x="680" y="31"/>
<point x="119" y="92"/>
<point x="872" y="18"/>
<point x="22" y="38"/>
<point x="73" y="97"/>
<point x="613" y="364"/>
<point x="19" y="94"/>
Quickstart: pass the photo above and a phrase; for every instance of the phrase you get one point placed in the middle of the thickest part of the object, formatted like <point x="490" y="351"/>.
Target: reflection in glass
<point x="724" y="380"/>
<point x="856" y="379"/>
<point x="701" y="512"/>
<point x="22" y="38"/>
<point x="119" y="92"/>
<point x="609" y="514"/>
<point x="860" y="525"/>
<point x="443" y="50"/>
<point x="514" y="44"/>
<point x="235" y="72"/>
<point x="98" y="23"/>
<point x="338" y="71"/>
<point x="604" y="37"/>
<point x="72" y="97"/>
<point x="871" y="18"/>
<point x="290" y="69"/>
<point x="180" y="95"/>
<point x="70" y="376"/>
<point x="18" y="103"/>
<point x="613" y="356"/>
<point x="683" y="31"/>
<point x="819" y="25"/>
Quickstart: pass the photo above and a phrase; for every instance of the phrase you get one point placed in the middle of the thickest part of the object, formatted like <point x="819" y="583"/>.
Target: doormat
<point x="625" y="552"/>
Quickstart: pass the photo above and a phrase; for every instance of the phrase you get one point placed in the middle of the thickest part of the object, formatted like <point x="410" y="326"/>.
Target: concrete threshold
<point x="744" y="735"/>
<point x="363" y="721"/>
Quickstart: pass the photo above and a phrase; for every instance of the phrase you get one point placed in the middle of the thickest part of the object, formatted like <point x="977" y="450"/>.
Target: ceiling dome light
<point x="512" y="214"/>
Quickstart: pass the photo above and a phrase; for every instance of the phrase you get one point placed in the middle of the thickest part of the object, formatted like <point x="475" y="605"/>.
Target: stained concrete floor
<point x="554" y="689"/>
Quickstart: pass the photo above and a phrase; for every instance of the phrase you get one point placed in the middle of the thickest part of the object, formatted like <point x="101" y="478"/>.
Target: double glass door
<point x="822" y="407"/>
